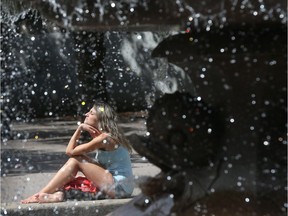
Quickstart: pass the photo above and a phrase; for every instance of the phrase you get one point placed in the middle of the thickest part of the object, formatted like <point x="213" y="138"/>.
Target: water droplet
<point x="113" y="4"/>
<point x="238" y="156"/>
<point x="273" y="62"/>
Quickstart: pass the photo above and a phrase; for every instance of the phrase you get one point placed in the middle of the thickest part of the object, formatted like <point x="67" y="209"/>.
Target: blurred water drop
<point x="113" y="4"/>
<point x="17" y="166"/>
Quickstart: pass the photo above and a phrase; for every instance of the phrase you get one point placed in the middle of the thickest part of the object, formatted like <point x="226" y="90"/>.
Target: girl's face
<point x="91" y="118"/>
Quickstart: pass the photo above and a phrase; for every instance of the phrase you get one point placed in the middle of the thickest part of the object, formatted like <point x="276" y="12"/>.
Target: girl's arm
<point x="100" y="140"/>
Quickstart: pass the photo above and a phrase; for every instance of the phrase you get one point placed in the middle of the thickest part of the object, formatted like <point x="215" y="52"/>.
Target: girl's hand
<point x="90" y="129"/>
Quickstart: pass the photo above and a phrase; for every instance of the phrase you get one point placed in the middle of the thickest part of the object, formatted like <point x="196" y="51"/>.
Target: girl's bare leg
<point x="95" y="173"/>
<point x="51" y="198"/>
<point x="63" y="176"/>
<point x="32" y="199"/>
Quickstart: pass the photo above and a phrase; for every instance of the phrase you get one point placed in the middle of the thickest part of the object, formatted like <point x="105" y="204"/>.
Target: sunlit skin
<point x="79" y="162"/>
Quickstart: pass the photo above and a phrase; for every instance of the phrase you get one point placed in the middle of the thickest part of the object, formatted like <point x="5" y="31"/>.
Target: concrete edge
<point x="95" y="207"/>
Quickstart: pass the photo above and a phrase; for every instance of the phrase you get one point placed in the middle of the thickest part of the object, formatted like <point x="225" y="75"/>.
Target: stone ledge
<point x="95" y="207"/>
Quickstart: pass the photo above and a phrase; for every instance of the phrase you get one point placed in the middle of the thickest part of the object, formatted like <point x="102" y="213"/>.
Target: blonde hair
<point x="107" y="122"/>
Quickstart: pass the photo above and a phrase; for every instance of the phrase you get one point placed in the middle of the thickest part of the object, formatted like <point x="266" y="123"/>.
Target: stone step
<point x="95" y="207"/>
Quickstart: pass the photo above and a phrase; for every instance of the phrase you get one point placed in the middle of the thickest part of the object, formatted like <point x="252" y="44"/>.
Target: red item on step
<point x="81" y="183"/>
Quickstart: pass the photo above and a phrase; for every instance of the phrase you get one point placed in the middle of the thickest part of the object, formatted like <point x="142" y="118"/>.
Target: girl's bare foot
<point x="51" y="198"/>
<point x="32" y="199"/>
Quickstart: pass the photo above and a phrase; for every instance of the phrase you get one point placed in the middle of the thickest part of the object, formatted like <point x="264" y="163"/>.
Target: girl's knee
<point x="76" y="159"/>
<point x="72" y="161"/>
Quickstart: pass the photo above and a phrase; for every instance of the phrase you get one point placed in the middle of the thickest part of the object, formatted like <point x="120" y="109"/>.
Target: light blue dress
<point x="118" y="163"/>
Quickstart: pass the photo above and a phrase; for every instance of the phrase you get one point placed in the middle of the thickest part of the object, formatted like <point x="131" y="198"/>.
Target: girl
<point x="110" y="171"/>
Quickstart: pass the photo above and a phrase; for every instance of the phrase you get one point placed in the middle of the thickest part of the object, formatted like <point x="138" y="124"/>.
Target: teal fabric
<point x="118" y="163"/>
